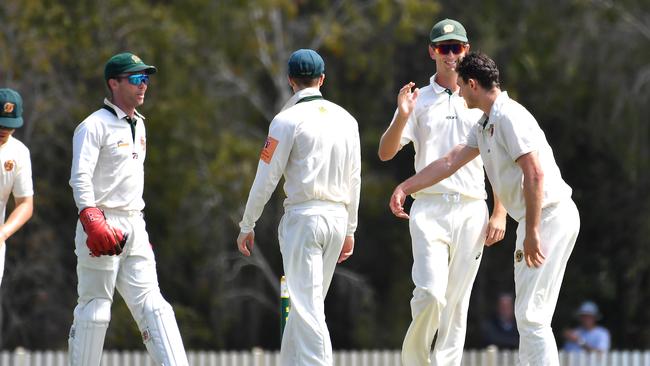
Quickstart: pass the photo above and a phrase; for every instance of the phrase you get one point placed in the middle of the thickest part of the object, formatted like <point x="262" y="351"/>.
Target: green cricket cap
<point x="447" y="30"/>
<point x="11" y="109"/>
<point x="126" y="62"/>
<point x="306" y="63"/>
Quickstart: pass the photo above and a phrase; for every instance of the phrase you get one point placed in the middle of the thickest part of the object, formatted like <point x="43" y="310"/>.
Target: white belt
<point x="452" y="197"/>
<point x="125" y="213"/>
<point x="314" y="204"/>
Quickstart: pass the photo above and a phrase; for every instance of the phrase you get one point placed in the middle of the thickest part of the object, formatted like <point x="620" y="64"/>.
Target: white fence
<point x="489" y="357"/>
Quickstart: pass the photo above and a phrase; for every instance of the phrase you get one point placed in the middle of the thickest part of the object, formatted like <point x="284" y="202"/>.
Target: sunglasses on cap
<point x="136" y="79"/>
<point x="443" y="49"/>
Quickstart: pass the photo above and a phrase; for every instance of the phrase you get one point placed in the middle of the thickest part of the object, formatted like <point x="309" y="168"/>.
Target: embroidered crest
<point x="269" y="148"/>
<point x="9" y="165"/>
<point x="448" y="28"/>
<point x="519" y="255"/>
<point x="145" y="335"/>
<point x="8" y="107"/>
<point x="136" y="59"/>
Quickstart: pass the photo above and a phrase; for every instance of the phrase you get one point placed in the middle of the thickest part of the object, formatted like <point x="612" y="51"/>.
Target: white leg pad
<point x="87" y="333"/>
<point x="161" y="335"/>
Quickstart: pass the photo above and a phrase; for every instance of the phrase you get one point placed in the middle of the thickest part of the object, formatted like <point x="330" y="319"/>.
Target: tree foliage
<point x="581" y="66"/>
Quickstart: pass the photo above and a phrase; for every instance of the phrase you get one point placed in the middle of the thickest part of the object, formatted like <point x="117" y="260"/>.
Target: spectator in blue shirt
<point x="589" y="336"/>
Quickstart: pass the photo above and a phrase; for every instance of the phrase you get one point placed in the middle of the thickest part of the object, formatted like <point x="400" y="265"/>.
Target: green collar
<point x="310" y="98"/>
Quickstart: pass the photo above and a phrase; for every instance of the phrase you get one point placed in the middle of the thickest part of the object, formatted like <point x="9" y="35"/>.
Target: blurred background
<point x="582" y="67"/>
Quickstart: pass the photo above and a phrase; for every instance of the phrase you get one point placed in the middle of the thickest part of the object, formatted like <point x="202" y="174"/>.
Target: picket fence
<point x="257" y="357"/>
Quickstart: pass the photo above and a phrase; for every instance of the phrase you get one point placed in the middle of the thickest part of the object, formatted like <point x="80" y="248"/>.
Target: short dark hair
<point x="305" y="82"/>
<point x="480" y="67"/>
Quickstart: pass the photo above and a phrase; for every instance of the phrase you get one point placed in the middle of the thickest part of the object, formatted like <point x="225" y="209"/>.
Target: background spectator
<point x="588" y="336"/>
<point x="501" y="328"/>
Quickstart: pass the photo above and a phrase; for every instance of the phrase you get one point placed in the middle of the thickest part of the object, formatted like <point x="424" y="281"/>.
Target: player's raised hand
<point x="245" y="242"/>
<point x="532" y="250"/>
<point x="406" y="99"/>
<point x="397" y="202"/>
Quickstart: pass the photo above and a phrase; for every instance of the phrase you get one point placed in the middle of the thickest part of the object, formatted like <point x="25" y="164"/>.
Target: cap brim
<point x="146" y="68"/>
<point x="11" y="122"/>
<point x="450" y="37"/>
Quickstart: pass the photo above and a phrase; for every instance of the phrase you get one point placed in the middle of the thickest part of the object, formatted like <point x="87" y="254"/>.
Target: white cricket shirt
<point x="108" y="161"/>
<point x="315" y="145"/>
<point x="510" y="132"/>
<point x="439" y="122"/>
<point x="16" y="174"/>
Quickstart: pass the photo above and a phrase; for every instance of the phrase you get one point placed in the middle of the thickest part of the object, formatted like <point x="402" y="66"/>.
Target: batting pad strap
<point x="162" y="337"/>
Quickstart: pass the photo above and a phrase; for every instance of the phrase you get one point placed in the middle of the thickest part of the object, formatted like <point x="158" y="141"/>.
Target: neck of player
<point x="447" y="80"/>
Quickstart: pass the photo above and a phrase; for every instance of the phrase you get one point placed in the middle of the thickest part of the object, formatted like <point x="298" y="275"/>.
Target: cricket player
<point x="16" y="176"/>
<point x="449" y="221"/>
<point x="520" y="165"/>
<point x="111" y="242"/>
<point x="315" y="145"/>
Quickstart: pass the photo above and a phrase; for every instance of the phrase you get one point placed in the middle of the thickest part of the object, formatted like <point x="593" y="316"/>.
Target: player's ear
<point x="466" y="47"/>
<point x="472" y="84"/>
<point x="432" y="52"/>
<point x="321" y="80"/>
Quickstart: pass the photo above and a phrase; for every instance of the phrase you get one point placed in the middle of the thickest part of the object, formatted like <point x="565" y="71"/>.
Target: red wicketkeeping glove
<point x="102" y="238"/>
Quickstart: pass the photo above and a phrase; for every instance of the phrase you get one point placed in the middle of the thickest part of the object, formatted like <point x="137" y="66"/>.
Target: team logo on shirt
<point x="9" y="165"/>
<point x="322" y="109"/>
<point x="269" y="148"/>
<point x="519" y="255"/>
<point x="121" y="143"/>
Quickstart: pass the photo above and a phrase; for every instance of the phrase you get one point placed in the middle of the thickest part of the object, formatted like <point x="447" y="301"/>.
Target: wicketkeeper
<point x="111" y="242"/>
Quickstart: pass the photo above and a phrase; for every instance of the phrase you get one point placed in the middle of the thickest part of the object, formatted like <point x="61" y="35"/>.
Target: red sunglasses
<point x="443" y="49"/>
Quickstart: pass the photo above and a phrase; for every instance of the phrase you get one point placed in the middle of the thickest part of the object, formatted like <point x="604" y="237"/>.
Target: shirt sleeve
<point x="86" y="144"/>
<point x="471" y="140"/>
<point x="355" y="185"/>
<point x="273" y="160"/>
<point x="23" y="185"/>
<point x="519" y="136"/>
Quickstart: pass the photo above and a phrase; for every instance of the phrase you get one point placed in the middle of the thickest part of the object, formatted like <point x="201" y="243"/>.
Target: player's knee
<point x="155" y="303"/>
<point x="423" y="297"/>
<point x="428" y="296"/>
<point x="96" y="310"/>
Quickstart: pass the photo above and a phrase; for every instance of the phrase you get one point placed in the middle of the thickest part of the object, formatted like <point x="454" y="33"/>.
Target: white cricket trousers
<point x="133" y="273"/>
<point x="448" y="235"/>
<point x="311" y="236"/>
<point x="537" y="289"/>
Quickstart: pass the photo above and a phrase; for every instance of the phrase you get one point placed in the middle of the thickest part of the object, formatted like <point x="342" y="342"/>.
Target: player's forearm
<point x="430" y="175"/>
<point x="18" y="217"/>
<point x="498" y="210"/>
<point x="440" y="169"/>
<point x="389" y="144"/>
<point x="266" y="180"/>
<point x="533" y="192"/>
